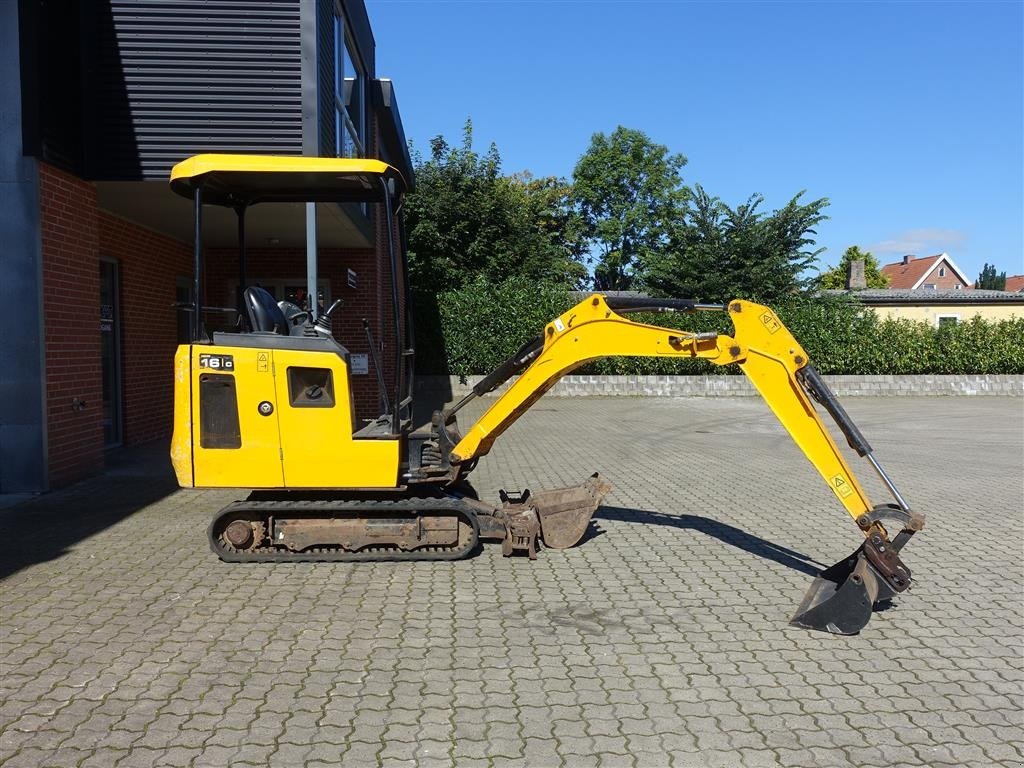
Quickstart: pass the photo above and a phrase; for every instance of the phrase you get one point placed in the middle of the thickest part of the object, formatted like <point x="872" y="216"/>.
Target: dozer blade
<point x="565" y="513"/>
<point x="841" y="598"/>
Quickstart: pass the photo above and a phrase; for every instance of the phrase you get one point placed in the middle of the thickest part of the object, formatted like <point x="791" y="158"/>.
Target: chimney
<point x="855" y="279"/>
<point x="908" y="259"/>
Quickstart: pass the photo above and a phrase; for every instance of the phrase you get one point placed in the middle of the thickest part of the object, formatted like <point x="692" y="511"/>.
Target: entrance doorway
<point x="110" y="352"/>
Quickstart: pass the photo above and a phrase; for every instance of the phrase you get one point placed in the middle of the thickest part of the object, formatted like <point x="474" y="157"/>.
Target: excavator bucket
<point x="841" y="598"/>
<point x="559" y="517"/>
<point x="565" y="512"/>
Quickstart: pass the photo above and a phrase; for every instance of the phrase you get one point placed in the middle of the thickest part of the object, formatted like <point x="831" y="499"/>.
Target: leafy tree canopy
<point x="627" y="205"/>
<point x="628" y="192"/>
<point x="465" y="219"/>
<point x="836" y="277"/>
<point x="718" y="252"/>
<point x="990" y="280"/>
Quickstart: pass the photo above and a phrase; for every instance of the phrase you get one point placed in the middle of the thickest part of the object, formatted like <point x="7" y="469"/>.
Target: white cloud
<point x="921" y="242"/>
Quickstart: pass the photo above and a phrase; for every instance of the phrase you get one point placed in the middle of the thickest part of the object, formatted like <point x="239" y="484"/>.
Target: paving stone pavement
<point x="662" y="640"/>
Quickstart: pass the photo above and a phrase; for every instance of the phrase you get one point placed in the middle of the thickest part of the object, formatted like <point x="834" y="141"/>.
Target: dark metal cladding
<point x="326" y="113"/>
<point x="180" y="77"/>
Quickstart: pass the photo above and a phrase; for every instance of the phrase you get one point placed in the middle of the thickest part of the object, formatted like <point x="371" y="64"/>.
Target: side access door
<point x="236" y="437"/>
<point x="316" y="423"/>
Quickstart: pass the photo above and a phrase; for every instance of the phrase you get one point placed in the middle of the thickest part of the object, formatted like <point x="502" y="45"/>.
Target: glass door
<point x="110" y="352"/>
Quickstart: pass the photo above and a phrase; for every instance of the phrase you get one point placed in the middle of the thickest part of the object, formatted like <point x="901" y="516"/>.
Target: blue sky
<point x="908" y="116"/>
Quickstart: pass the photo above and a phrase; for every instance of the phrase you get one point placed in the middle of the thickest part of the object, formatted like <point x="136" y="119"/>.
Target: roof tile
<point x="906" y="275"/>
<point x="1015" y="283"/>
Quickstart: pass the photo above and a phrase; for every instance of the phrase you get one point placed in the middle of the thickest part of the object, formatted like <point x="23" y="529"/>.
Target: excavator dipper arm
<point x="842" y="597"/>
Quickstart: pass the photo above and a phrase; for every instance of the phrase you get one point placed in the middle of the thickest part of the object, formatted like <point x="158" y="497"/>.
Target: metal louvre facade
<point x="325" y="75"/>
<point x="172" y="78"/>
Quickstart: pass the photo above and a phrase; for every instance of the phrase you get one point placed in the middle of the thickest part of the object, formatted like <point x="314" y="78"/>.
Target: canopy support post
<point x="311" y="288"/>
<point x="389" y="223"/>
<point x="198" y="331"/>
<point x="240" y="211"/>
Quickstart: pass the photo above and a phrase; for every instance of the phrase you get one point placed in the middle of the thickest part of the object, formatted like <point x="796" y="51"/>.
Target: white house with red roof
<point x="937" y="273"/>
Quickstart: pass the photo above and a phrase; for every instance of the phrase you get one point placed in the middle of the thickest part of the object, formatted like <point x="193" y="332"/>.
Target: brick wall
<point x="71" y="300"/>
<point x="76" y="235"/>
<point x="948" y="281"/>
<point x="150" y="265"/>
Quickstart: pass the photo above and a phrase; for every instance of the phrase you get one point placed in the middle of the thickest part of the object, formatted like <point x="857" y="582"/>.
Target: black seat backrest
<point x="264" y="314"/>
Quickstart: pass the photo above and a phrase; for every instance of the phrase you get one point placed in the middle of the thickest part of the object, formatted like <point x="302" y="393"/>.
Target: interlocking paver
<point x="661" y="640"/>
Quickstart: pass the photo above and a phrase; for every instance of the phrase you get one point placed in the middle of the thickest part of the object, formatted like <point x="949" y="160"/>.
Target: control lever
<point x="382" y="387"/>
<point x="324" y="321"/>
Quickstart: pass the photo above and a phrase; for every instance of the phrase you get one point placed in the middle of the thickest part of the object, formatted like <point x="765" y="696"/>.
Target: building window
<point x="957" y="287"/>
<point x="930" y="287"/>
<point x="942" y="271"/>
<point x="943" y="320"/>
<point x="349" y="93"/>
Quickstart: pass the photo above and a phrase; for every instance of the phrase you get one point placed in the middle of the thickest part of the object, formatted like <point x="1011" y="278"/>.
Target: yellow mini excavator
<point x="269" y="408"/>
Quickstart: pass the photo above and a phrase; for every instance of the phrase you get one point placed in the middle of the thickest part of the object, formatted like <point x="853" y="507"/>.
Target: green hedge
<point x="471" y="330"/>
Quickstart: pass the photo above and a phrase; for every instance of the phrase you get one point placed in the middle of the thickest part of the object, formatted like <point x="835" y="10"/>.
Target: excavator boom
<point x="841" y="598"/>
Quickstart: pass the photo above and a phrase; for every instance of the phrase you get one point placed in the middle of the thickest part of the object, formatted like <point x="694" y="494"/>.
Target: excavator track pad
<point x="444" y="528"/>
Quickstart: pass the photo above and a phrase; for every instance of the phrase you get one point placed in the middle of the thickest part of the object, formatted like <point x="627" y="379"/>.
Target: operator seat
<point x="264" y="314"/>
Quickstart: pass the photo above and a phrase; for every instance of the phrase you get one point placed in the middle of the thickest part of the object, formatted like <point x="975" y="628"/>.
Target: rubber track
<point x="261" y="510"/>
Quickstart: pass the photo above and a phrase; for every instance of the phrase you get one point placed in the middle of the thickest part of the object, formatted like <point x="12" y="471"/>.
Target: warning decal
<point x="770" y="322"/>
<point x="841" y="486"/>
<point x="262" y="360"/>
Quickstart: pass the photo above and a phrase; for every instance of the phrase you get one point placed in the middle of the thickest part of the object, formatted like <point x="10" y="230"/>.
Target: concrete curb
<point x="740" y="386"/>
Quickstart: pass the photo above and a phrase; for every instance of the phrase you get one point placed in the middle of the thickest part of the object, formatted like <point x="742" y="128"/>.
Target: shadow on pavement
<point x="47" y="526"/>
<point x="721" y="531"/>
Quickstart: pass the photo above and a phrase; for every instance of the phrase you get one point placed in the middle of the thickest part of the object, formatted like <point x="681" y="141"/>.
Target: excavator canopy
<point x="243" y="180"/>
<point x="240" y="181"/>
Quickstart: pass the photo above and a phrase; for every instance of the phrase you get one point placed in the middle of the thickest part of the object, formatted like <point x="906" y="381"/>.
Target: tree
<point x="989" y="280"/>
<point x="836" y="277"/>
<point x="718" y="253"/>
<point x="554" y="226"/>
<point x="628" y="191"/>
<point x="465" y="219"/>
